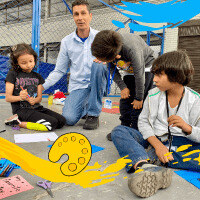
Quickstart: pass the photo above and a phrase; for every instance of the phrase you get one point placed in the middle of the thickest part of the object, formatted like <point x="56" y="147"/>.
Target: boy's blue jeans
<point x="88" y="100"/>
<point x="129" y="141"/>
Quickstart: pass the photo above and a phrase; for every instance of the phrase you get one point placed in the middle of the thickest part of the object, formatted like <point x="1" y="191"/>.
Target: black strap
<point x="170" y="137"/>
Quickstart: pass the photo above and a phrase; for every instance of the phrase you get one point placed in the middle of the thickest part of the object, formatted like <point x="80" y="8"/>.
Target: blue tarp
<point x="44" y="70"/>
<point x="4" y="68"/>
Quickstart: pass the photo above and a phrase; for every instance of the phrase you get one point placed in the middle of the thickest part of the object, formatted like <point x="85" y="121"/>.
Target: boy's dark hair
<point x="106" y="45"/>
<point x="18" y="50"/>
<point x="81" y="2"/>
<point x="176" y="65"/>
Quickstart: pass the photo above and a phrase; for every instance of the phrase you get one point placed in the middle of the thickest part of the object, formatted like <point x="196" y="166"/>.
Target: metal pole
<point x="148" y="37"/>
<point x="67" y="6"/>
<point x="33" y="25"/>
<point x="132" y="21"/>
<point x="163" y="42"/>
<point x="36" y="27"/>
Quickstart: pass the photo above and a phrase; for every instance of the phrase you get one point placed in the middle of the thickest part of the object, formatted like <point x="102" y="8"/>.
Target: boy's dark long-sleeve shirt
<point x="136" y="51"/>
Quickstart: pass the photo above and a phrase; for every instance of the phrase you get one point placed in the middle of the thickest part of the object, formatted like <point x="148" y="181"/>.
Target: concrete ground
<point x="116" y="190"/>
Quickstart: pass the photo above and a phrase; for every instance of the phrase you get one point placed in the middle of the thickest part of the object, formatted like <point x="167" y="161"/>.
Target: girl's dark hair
<point x="18" y="50"/>
<point x="176" y="65"/>
<point x="106" y="45"/>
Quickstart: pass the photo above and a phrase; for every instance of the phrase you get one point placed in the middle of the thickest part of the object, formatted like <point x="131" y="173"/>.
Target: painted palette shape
<point x="78" y="149"/>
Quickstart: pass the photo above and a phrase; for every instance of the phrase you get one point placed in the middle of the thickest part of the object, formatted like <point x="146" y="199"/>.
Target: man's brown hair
<point x="176" y="65"/>
<point x="81" y="2"/>
<point x="106" y="45"/>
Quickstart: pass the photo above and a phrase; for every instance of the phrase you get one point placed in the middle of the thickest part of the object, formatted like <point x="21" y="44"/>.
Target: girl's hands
<point x="23" y="95"/>
<point x="31" y="100"/>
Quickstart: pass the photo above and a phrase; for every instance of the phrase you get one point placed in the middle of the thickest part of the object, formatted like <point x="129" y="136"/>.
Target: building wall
<point x="171" y="40"/>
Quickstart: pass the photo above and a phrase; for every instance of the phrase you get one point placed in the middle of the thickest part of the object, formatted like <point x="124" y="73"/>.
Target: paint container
<point x="50" y="99"/>
<point x="108" y="104"/>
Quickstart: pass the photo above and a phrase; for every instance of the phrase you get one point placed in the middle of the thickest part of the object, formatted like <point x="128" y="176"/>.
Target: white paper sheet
<point x="35" y="137"/>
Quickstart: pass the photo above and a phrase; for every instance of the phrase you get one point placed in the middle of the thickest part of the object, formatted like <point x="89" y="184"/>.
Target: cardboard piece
<point x="13" y="185"/>
<point x="36" y="137"/>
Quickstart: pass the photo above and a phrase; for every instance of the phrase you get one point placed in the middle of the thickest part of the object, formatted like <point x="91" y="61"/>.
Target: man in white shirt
<point x="88" y="79"/>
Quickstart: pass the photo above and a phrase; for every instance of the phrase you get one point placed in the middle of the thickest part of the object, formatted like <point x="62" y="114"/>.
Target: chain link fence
<point x="56" y="23"/>
<point x="15" y="27"/>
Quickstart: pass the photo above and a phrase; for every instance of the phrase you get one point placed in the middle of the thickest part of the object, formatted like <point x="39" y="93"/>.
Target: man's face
<point x="82" y="17"/>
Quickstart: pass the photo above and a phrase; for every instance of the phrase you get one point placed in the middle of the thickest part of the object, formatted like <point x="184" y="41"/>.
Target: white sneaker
<point x="13" y="120"/>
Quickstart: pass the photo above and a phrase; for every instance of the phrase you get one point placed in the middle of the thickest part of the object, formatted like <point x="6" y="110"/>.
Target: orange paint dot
<point x="65" y="139"/>
<point x="84" y="151"/>
<point x="60" y="144"/>
<point x="81" y="141"/>
<point x="72" y="167"/>
<point x="81" y="160"/>
<point x="73" y="138"/>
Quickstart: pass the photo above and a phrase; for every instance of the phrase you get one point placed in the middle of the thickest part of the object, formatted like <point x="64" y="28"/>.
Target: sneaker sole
<point x="146" y="184"/>
<point x="11" y="120"/>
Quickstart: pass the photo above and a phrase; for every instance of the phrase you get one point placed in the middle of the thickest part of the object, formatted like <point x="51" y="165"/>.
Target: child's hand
<point x="161" y="151"/>
<point x="125" y="93"/>
<point x="137" y="104"/>
<point x="176" y="121"/>
<point x="23" y="94"/>
<point x="31" y="100"/>
<point x="98" y="61"/>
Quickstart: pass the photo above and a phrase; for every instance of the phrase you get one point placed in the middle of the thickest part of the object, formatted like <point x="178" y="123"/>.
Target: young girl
<point x="24" y="92"/>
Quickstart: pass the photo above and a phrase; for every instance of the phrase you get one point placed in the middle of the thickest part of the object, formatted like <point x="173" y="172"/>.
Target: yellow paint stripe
<point x="186" y="159"/>
<point x="190" y="153"/>
<point x="183" y="147"/>
<point x="139" y="170"/>
<point x="51" y="171"/>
